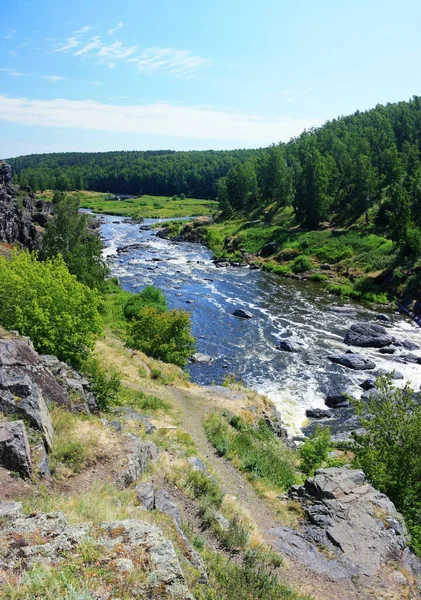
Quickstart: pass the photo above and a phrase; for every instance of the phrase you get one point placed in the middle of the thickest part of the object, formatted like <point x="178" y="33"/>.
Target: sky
<point x="97" y="75"/>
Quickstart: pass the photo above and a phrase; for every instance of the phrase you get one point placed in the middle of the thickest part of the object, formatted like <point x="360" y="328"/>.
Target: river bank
<point x="246" y="349"/>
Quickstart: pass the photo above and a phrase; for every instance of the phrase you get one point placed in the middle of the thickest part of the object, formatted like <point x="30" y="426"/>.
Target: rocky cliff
<point x="22" y="217"/>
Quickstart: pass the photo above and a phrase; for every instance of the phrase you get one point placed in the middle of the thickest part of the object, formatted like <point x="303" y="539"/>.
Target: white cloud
<point x="116" y="28"/>
<point x="12" y="72"/>
<point x="95" y="83"/>
<point x="169" y="60"/>
<point x="94" y="44"/>
<point x="159" y="118"/>
<point x="12" y="53"/>
<point x="83" y="30"/>
<point x="69" y="44"/>
<point x="54" y="78"/>
<point x="10" y="34"/>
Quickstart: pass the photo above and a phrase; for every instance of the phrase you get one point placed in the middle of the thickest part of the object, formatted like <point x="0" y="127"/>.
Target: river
<point x="282" y="308"/>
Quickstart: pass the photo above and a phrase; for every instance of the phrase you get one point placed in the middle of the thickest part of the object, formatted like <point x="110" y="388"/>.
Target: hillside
<point x="157" y="173"/>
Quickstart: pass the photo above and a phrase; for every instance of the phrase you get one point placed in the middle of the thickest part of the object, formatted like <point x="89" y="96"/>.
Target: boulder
<point x="368" y="384"/>
<point x="368" y="335"/>
<point x="337" y="399"/>
<point x="242" y="314"/>
<point x="139" y="455"/>
<point x="146" y="495"/>
<point x="15" y="454"/>
<point x="358" y="362"/>
<point x="387" y="350"/>
<point x="199" y="357"/>
<point x="318" y="413"/>
<point x="383" y="317"/>
<point x="166" y="504"/>
<point x="197" y="464"/>
<point x="341" y="309"/>
<point x="290" y="346"/>
<point x="410" y="345"/>
<point x="269" y="249"/>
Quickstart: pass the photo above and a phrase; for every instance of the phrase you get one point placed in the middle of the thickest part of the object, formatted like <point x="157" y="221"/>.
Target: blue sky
<point x="97" y="75"/>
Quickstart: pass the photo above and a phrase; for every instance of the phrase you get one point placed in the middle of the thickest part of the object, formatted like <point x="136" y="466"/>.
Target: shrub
<point x="105" y="386"/>
<point x="204" y="487"/>
<point x="343" y="291"/>
<point x="150" y="296"/>
<point x="162" y="335"/>
<point x="389" y="451"/>
<point x="301" y="264"/>
<point x="45" y="302"/>
<point x="318" y="277"/>
<point x="314" y="451"/>
<point x="238" y="534"/>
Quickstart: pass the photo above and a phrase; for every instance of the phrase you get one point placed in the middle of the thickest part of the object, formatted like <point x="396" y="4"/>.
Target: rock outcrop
<point x="15" y="454"/>
<point x="358" y="362"/>
<point x="359" y="528"/>
<point x="22" y="218"/>
<point x="368" y="335"/>
<point x="140" y="454"/>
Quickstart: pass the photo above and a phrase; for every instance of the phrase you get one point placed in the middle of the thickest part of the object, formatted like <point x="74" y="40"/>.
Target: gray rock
<point x="140" y="454"/>
<point x="358" y="362"/>
<point x="369" y="383"/>
<point x="269" y="249"/>
<point x="410" y="345"/>
<point x="242" y="314"/>
<point x="15" y="454"/>
<point x="368" y="335"/>
<point x="199" y="357"/>
<point x="348" y="516"/>
<point x="146" y="495"/>
<point x="290" y="346"/>
<point x="197" y="464"/>
<point x="124" y="565"/>
<point x="387" y="350"/>
<point x="383" y="317"/>
<point x="341" y="309"/>
<point x="337" y="399"/>
<point x="165" y="503"/>
<point x="318" y="413"/>
<point x="20" y="396"/>
<point x="222" y="521"/>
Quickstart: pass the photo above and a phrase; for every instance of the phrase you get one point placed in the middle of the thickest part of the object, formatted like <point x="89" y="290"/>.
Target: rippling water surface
<point x="282" y="308"/>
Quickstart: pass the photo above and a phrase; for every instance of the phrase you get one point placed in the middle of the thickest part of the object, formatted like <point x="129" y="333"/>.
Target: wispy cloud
<point x="54" y="78"/>
<point x="69" y="44"/>
<point x="82" y="30"/>
<point x="12" y="53"/>
<point x="113" y="30"/>
<point x="159" y="118"/>
<point x="12" y="72"/>
<point x="169" y="60"/>
<point x="94" y="44"/>
<point x="10" y="34"/>
<point x="95" y="83"/>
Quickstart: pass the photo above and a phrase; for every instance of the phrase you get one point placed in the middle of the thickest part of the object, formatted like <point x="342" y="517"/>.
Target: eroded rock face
<point x="21" y="217"/>
<point x="15" y="454"/>
<point x="140" y="454"/>
<point x="358" y="526"/>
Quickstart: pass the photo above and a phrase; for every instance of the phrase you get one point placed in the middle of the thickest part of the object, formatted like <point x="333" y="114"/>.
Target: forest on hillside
<point x="364" y="165"/>
<point x="157" y="173"/>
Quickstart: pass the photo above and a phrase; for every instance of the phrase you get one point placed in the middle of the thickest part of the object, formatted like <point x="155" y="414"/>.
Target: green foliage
<point x="162" y="335"/>
<point x="251" y="578"/>
<point x="314" y="451"/>
<point x="260" y="453"/>
<point x="71" y="454"/>
<point x="238" y="534"/>
<point x="150" y="296"/>
<point x="105" y="385"/>
<point x="45" y="302"/>
<point x="203" y="487"/>
<point x="318" y="277"/>
<point x="68" y="234"/>
<point x="389" y="451"/>
<point x="301" y="264"/>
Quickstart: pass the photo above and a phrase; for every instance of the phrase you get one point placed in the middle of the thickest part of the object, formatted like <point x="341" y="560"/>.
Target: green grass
<point x="254" y="448"/>
<point x="153" y="207"/>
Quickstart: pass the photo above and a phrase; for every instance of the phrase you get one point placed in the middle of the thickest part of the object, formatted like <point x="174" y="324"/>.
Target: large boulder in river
<point x="242" y="314"/>
<point x="368" y="335"/>
<point x="358" y="362"/>
<point x="290" y="346"/>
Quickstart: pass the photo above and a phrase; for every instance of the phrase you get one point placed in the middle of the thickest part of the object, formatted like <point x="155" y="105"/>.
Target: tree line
<point x="158" y="173"/>
<point x="368" y="163"/>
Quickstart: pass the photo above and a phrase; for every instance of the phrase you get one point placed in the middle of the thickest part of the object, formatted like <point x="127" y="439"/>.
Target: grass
<point x="153" y="207"/>
<point x="254" y="448"/>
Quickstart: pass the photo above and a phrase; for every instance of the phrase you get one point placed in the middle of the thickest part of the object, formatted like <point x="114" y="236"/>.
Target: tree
<point x="162" y="335"/>
<point x="68" y="234"/>
<point x="45" y="302"/>
<point x="390" y="449"/>
<point x="400" y="213"/>
<point x="275" y="177"/>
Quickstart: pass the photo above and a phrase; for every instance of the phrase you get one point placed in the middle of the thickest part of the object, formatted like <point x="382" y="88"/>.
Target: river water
<point x="282" y="308"/>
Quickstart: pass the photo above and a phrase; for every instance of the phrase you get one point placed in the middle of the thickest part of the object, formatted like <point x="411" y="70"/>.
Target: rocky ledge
<point x="352" y="531"/>
<point x="22" y="217"/>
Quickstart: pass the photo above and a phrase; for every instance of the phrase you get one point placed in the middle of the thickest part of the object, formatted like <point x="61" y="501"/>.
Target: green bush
<point x="204" y="487"/>
<point x="343" y="291"/>
<point x="238" y="534"/>
<point x="104" y="385"/>
<point x="45" y="302"/>
<point x="318" y="277"/>
<point x="259" y="451"/>
<point x="150" y="296"/>
<point x="301" y="264"/>
<point x="162" y="335"/>
<point x="314" y="451"/>
<point x="389" y="452"/>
